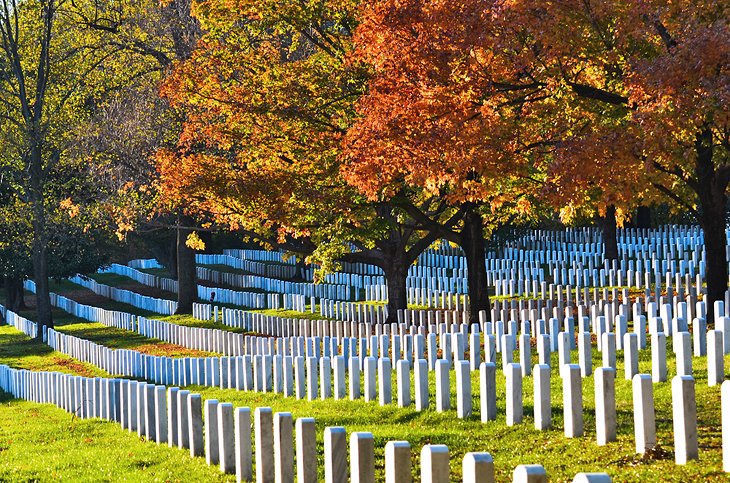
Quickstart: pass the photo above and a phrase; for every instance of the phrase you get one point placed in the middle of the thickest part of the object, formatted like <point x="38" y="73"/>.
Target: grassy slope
<point x="39" y="442"/>
<point x="187" y="320"/>
<point x="113" y="337"/>
<point x="510" y="446"/>
<point x="21" y="352"/>
<point x="522" y="444"/>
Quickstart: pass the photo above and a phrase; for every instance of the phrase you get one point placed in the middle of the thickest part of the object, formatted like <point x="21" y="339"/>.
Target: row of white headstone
<point x="412" y="346"/>
<point x="160" y="306"/>
<point x="287" y="375"/>
<point x="224" y="435"/>
<point x="285" y="271"/>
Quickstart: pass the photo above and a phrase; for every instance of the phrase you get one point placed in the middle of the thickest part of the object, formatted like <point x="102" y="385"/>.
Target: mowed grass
<point x="113" y="337"/>
<point x="123" y="339"/>
<point x="19" y="351"/>
<point x="522" y="444"/>
<point x="190" y="321"/>
<point x="65" y="287"/>
<point x="122" y="281"/>
<point x="510" y="446"/>
<point x="39" y="442"/>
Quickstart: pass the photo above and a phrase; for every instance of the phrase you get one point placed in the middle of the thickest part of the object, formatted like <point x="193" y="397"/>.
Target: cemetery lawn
<point x="510" y="446"/>
<point x="112" y="337"/>
<point x="219" y="267"/>
<point x="39" y="442"/>
<point x="19" y="351"/>
<point x="160" y="272"/>
<point x="522" y="444"/>
<point x="190" y="321"/>
<point x="92" y="450"/>
<point x="86" y="296"/>
<point x="293" y="314"/>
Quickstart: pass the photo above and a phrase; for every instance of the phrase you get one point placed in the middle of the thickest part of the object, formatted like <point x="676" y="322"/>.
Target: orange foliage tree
<point x="268" y="95"/>
<point x="438" y="120"/>
<point x="646" y="87"/>
<point x="608" y="104"/>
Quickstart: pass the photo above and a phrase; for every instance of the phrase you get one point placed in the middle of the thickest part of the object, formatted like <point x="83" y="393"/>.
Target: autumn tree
<point x="646" y="87"/>
<point x="436" y="120"/>
<point x="46" y="64"/>
<point x="268" y="95"/>
<point x="79" y="220"/>
<point x="62" y="62"/>
<point x="680" y="85"/>
<point x="155" y="34"/>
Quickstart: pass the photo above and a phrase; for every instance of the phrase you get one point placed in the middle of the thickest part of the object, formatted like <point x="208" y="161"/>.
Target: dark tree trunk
<point x="643" y="217"/>
<point x="716" y="262"/>
<point x="172" y="265"/>
<point x="472" y="242"/>
<point x="42" y="288"/>
<point x="396" y="272"/>
<point x="187" y="286"/>
<point x="608" y="232"/>
<point x="162" y="244"/>
<point x="10" y="293"/>
<point x="14" y="293"/>
<point x="39" y="246"/>
<point x="20" y="298"/>
<point x="395" y="255"/>
<point x="711" y="192"/>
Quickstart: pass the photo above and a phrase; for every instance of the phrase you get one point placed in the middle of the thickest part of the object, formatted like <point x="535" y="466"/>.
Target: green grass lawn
<point x="510" y="446"/>
<point x="160" y="272"/>
<point x="39" y="442"/>
<point x="122" y="281"/>
<point x="220" y="267"/>
<point x="21" y="352"/>
<point x="522" y="444"/>
<point x="190" y="321"/>
<point x="187" y="320"/>
<point x="113" y="337"/>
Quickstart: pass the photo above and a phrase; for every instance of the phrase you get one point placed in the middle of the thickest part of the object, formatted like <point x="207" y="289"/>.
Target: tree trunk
<point x="20" y="298"/>
<point x="643" y="217"/>
<point x="608" y="232"/>
<point x="39" y="246"/>
<point x="10" y="293"/>
<point x="42" y="288"/>
<point x="711" y="191"/>
<point x="187" y="286"/>
<point x="716" y="262"/>
<point x="396" y="272"/>
<point x="300" y="269"/>
<point x="172" y="257"/>
<point x="472" y="242"/>
<point x="14" y="293"/>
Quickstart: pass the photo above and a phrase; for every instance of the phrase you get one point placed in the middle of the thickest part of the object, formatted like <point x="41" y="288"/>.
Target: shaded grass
<point x="521" y="444"/>
<point x="190" y="321"/>
<point x="293" y="314"/>
<point x="160" y="272"/>
<point x="181" y="319"/>
<point x="113" y="337"/>
<point x="123" y="339"/>
<point x="226" y="268"/>
<point x="79" y="293"/>
<point x="127" y="283"/>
